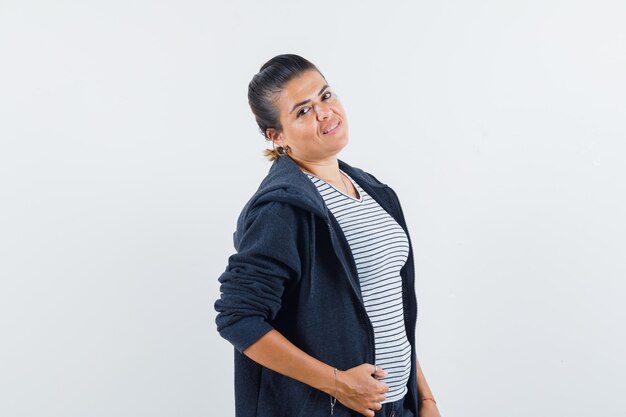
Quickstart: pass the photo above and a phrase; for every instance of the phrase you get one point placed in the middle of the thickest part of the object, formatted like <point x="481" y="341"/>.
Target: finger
<point x="376" y="406"/>
<point x="382" y="388"/>
<point x="379" y="372"/>
<point x="370" y="368"/>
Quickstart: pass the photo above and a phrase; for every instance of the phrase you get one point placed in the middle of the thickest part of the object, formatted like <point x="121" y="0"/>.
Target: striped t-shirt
<point x="380" y="249"/>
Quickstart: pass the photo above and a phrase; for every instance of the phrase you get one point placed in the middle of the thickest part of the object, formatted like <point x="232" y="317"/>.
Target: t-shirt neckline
<point x="356" y="187"/>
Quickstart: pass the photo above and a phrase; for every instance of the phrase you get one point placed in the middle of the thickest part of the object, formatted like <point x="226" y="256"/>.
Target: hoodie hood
<point x="285" y="182"/>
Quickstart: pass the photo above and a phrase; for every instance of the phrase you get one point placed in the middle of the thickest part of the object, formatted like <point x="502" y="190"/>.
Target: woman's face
<point x="313" y="120"/>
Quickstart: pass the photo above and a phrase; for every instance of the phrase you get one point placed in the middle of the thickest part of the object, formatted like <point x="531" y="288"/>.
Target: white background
<point x="128" y="150"/>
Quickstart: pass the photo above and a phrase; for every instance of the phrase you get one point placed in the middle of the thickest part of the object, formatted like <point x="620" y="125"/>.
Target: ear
<point x="272" y="135"/>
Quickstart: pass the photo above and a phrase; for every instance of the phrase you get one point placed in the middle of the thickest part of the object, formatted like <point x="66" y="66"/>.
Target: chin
<point x="343" y="142"/>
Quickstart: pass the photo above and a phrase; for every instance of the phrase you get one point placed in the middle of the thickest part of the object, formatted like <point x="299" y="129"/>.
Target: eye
<point x="305" y="110"/>
<point x="302" y="111"/>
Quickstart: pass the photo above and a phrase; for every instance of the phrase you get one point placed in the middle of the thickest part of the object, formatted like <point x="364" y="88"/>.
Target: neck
<point x="327" y="169"/>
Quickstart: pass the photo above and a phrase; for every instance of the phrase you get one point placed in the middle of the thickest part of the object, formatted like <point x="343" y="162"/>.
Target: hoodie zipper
<point x="364" y="315"/>
<point x="398" y="207"/>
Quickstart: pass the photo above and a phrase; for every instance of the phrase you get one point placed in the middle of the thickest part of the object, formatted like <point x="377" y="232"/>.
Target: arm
<point x="267" y="259"/>
<point x="427" y="408"/>
<point x="356" y="389"/>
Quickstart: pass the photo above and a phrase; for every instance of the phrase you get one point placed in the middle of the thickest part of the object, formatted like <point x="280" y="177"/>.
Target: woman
<point x="319" y="299"/>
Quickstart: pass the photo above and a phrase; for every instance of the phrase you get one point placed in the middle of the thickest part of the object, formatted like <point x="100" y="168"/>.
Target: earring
<point x="280" y="150"/>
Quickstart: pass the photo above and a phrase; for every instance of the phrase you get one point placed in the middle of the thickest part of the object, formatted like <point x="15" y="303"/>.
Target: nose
<point x="323" y="112"/>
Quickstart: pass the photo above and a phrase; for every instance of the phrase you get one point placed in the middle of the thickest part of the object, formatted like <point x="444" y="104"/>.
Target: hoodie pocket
<point x="310" y="403"/>
<point x="281" y="396"/>
<point x="317" y="404"/>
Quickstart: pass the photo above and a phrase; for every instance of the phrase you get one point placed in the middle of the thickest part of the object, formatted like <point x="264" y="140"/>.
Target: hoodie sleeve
<point x="252" y="285"/>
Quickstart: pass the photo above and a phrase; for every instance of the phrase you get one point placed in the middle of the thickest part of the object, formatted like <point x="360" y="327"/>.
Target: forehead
<point x="304" y="86"/>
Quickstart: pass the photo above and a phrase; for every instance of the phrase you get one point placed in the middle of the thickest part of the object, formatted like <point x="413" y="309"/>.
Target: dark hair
<point x="267" y="84"/>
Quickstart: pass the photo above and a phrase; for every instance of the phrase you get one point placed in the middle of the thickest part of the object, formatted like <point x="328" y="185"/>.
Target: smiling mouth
<point x="332" y="128"/>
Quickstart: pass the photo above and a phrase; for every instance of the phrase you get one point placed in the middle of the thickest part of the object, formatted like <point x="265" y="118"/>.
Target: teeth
<point x="331" y="128"/>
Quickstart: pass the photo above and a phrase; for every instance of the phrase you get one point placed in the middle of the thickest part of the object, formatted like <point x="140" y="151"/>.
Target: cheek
<point x="301" y="133"/>
<point x="339" y="109"/>
<point x="308" y="126"/>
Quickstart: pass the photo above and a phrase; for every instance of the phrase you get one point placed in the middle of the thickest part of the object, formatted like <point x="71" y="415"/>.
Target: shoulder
<point x="276" y="218"/>
<point x="277" y="210"/>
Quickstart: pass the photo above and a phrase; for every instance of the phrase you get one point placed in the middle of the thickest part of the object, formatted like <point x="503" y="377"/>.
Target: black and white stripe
<point x="380" y="249"/>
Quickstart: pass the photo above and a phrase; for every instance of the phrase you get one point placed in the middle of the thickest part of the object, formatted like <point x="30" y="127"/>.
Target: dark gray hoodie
<point x="294" y="272"/>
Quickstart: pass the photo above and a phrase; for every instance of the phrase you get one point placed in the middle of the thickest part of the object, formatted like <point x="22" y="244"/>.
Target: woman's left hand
<point x="429" y="409"/>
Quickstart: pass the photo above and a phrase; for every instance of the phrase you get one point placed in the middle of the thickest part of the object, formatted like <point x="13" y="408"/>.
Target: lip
<point x="328" y="125"/>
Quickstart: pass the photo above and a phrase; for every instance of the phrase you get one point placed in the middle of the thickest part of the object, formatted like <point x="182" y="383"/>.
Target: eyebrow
<point x="307" y="100"/>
